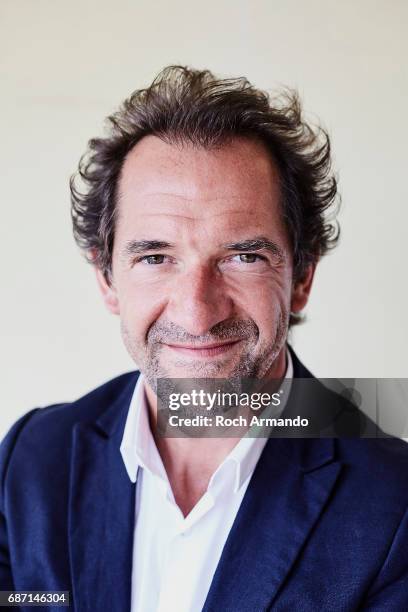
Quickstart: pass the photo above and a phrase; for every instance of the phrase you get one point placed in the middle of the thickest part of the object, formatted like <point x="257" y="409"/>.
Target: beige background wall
<point x="65" y="65"/>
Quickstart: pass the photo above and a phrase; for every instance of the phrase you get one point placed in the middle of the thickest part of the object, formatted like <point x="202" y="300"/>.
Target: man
<point x="204" y="215"/>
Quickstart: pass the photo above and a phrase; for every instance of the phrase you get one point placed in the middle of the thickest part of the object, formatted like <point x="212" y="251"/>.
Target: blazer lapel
<point x="287" y="493"/>
<point x="101" y="513"/>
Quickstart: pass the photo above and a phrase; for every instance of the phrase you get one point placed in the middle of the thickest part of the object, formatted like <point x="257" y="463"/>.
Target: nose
<point x="199" y="300"/>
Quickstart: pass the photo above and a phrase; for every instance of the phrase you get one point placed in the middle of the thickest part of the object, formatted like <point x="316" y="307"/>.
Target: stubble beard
<point x="254" y="362"/>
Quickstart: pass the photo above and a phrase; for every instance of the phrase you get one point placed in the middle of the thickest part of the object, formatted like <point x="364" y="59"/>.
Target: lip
<point x="208" y="350"/>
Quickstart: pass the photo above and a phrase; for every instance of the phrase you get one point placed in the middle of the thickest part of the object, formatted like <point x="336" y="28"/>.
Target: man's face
<point x="202" y="267"/>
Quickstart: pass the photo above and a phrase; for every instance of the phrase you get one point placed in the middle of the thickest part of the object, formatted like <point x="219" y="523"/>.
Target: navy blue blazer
<point x="323" y="524"/>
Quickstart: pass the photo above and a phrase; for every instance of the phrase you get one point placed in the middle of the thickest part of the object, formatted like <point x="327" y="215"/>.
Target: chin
<point x="198" y="370"/>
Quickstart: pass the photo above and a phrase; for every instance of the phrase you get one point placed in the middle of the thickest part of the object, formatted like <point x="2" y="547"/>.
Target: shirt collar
<point x="138" y="448"/>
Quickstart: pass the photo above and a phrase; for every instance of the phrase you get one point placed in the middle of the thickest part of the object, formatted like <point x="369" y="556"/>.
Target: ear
<point x="108" y="292"/>
<point x="301" y="289"/>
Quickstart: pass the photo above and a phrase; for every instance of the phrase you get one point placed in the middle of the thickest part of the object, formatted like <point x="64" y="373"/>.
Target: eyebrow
<point x="256" y="244"/>
<point x="134" y="247"/>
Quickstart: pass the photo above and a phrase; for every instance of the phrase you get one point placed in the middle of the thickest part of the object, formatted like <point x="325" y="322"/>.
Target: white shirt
<point x="175" y="557"/>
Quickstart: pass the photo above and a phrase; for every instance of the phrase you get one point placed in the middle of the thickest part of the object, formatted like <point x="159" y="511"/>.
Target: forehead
<point x="173" y="184"/>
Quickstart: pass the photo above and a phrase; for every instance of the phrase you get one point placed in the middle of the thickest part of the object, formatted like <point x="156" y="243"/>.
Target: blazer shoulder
<point x="376" y="469"/>
<point x="385" y="457"/>
<point x="9" y="441"/>
<point x="47" y="430"/>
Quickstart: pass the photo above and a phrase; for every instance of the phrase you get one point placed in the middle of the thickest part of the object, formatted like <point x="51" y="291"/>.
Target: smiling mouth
<point x="207" y="350"/>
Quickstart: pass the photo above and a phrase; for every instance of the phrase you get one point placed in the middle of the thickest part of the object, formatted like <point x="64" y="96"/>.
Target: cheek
<point x="271" y="318"/>
<point x="263" y="299"/>
<point x="269" y="306"/>
<point x="140" y="305"/>
<point x="260" y="297"/>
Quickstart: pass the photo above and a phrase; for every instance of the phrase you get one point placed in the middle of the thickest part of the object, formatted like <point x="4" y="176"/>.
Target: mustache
<point x="237" y="329"/>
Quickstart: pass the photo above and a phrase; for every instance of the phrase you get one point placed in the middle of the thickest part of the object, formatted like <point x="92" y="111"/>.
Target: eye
<point x="249" y="258"/>
<point x="153" y="259"/>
